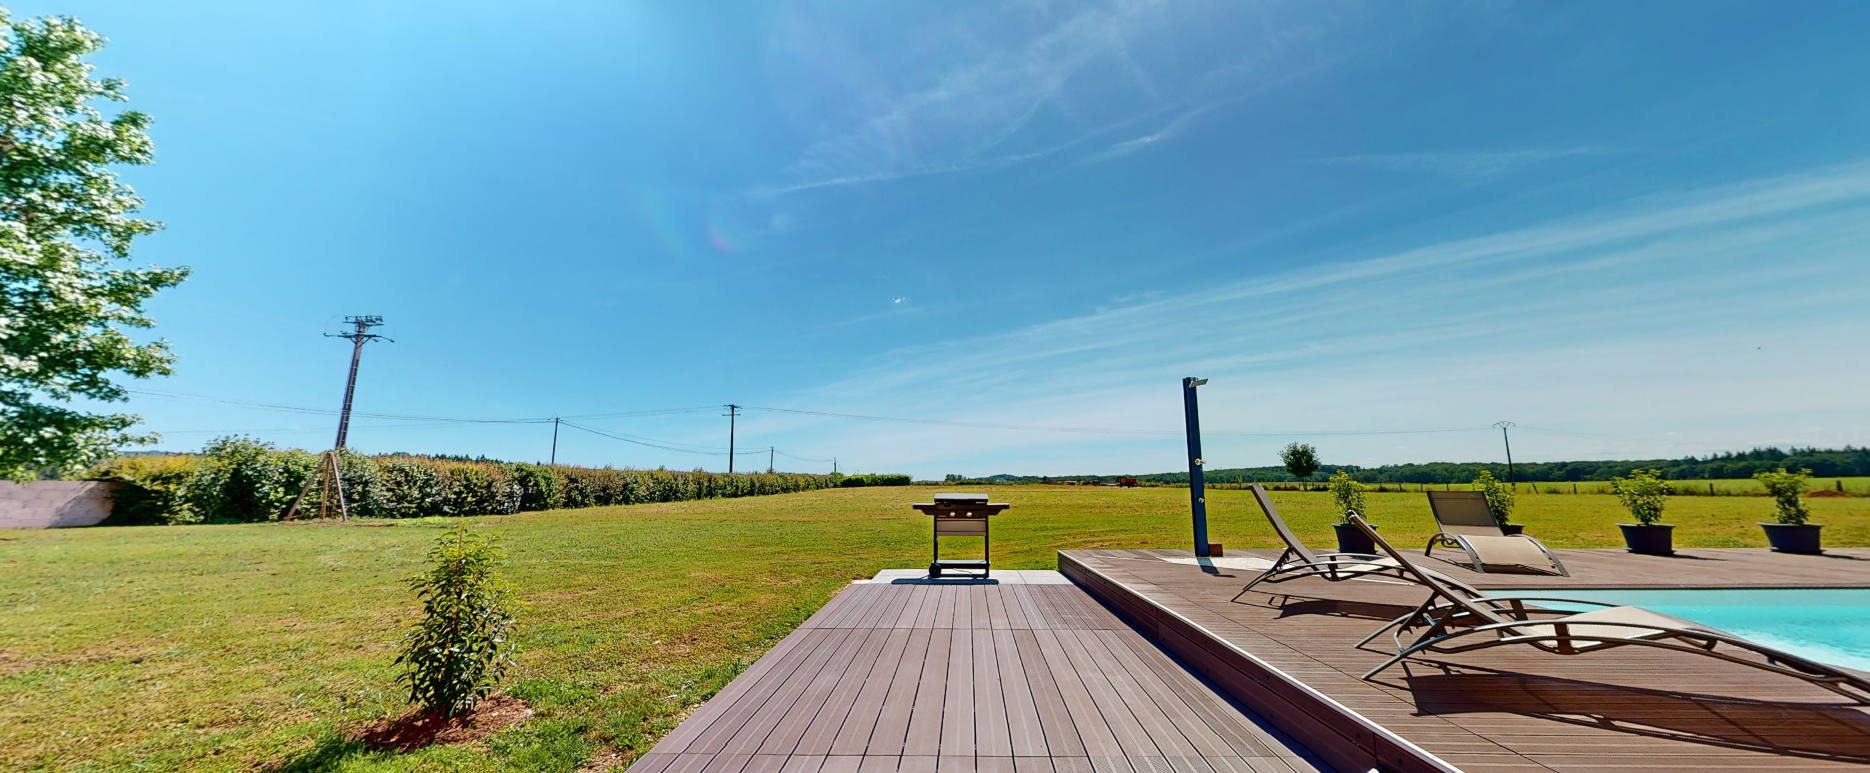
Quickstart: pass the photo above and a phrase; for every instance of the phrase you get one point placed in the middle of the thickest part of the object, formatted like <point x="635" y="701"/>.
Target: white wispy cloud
<point x="1462" y="164"/>
<point x="1639" y="323"/>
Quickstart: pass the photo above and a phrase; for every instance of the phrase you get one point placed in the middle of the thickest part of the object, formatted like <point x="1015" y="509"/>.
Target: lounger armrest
<point x="1561" y="600"/>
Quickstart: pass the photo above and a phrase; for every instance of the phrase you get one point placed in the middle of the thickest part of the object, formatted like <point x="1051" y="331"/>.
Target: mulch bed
<point x="417" y="728"/>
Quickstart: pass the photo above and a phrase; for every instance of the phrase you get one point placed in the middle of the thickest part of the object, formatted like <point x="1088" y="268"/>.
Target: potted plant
<point x="1349" y="496"/>
<point x="1499" y="500"/>
<point x="1791" y="534"/>
<point x="1644" y="494"/>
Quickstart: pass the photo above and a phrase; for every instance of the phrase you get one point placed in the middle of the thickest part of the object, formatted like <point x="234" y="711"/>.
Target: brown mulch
<point x="417" y="728"/>
<point x="1826" y="493"/>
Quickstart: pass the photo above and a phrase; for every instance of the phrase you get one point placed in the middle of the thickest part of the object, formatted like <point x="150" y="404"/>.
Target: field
<point x="262" y="647"/>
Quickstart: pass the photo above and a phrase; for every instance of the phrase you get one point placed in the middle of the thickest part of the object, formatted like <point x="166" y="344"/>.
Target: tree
<point x="1301" y="460"/>
<point x="66" y="226"/>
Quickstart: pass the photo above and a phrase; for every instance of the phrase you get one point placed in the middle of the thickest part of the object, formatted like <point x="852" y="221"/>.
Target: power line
<point x="1109" y="430"/>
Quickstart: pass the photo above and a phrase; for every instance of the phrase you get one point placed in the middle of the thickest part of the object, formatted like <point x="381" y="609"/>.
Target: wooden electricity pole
<point x="328" y="475"/>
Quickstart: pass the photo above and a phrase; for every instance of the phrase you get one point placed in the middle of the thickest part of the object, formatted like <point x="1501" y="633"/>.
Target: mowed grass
<point x="261" y="647"/>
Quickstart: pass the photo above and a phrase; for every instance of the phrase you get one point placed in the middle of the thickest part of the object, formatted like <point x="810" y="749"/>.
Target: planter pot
<point x="1352" y="539"/>
<point x="1511" y="529"/>
<point x="1794" y="537"/>
<point x="1652" y="540"/>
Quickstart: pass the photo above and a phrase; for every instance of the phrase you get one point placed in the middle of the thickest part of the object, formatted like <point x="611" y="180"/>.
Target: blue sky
<point x="1632" y="229"/>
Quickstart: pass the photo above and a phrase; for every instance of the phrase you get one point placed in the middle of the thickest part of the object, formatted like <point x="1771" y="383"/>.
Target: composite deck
<point x="1026" y="674"/>
<point x="1286" y="652"/>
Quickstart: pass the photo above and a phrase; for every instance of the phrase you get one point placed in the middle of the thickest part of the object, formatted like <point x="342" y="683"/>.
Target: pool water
<point x="1830" y="625"/>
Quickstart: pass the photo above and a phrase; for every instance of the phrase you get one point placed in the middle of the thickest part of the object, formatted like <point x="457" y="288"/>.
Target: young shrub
<point x="1644" y="494"/>
<point x="1785" y="488"/>
<point x="150" y="490"/>
<point x="1301" y="459"/>
<point x="1499" y="497"/>
<point x="463" y="645"/>
<point x="1349" y="495"/>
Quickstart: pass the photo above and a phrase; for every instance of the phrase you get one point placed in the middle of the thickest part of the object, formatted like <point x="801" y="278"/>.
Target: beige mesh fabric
<point x="1508" y="551"/>
<point x="1584" y="635"/>
<point x="1463" y="512"/>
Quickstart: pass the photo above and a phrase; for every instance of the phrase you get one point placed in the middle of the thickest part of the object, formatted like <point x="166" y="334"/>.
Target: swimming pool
<point x="1830" y="625"/>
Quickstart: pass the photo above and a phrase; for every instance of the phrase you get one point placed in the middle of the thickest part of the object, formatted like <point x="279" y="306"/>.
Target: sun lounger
<point x="1299" y="561"/>
<point x="1459" y="619"/>
<point x="1467" y="523"/>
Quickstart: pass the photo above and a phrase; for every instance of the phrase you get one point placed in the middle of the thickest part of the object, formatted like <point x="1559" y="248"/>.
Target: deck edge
<point x="1339" y="735"/>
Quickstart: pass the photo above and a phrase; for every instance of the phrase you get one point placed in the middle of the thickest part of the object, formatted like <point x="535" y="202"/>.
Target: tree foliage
<point x="463" y="645"/>
<point x="1348" y="494"/>
<point x="66" y="227"/>
<point x="1499" y="496"/>
<point x="1785" y="488"/>
<point x="1301" y="459"/>
<point x="1644" y="493"/>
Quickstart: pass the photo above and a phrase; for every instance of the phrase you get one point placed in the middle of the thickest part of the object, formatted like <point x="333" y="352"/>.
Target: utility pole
<point x="769" y="460"/>
<point x="733" y="413"/>
<point x="1509" y="453"/>
<point x="554" y="441"/>
<point x="834" y="465"/>
<point x="1197" y="495"/>
<point x="328" y="475"/>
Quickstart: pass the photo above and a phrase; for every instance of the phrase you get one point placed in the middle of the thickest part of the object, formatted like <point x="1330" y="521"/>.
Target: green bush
<point x="457" y="653"/>
<point x="150" y="490"/>
<point x="1348" y="494"/>
<point x="1785" y="488"/>
<point x="1644" y="494"/>
<point x="1499" y="496"/>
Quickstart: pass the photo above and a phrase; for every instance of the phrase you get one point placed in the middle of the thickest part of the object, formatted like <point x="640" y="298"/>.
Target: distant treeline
<point x="1845" y="462"/>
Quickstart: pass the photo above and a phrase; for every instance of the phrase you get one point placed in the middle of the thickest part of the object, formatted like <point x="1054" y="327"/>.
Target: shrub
<point x="1348" y="493"/>
<point x="242" y="480"/>
<point x="1785" y="488"/>
<point x="1499" y="497"/>
<point x="1301" y="459"/>
<point x="463" y="645"/>
<point x="1644" y="494"/>
<point x="860" y="481"/>
<point x="149" y="490"/>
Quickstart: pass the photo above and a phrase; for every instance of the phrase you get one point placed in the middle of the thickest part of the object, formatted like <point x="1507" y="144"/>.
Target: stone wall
<point x="52" y="504"/>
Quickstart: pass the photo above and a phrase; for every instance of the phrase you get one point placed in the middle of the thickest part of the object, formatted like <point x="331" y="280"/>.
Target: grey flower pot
<point x="1652" y="540"/>
<point x="1794" y="537"/>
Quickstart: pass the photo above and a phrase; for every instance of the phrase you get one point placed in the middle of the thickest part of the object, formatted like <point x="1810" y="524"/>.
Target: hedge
<point x="238" y="480"/>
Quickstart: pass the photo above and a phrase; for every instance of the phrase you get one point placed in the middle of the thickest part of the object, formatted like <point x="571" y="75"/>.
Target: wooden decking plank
<point x="957" y="724"/>
<point x="912" y="615"/>
<point x="955" y="764"/>
<point x="992" y="737"/>
<point x="1061" y="731"/>
<point x="925" y="719"/>
<point x="805" y="707"/>
<point x="1025" y="734"/>
<point x="1040" y="764"/>
<point x="784" y="702"/>
<point x="1122" y="719"/>
<point x="766" y="763"/>
<point x="980" y="616"/>
<point x="963" y="606"/>
<point x="994" y="764"/>
<point x="945" y="597"/>
<point x="996" y="607"/>
<point x="846" y="697"/>
<point x="651" y="763"/>
<point x="1140" y="686"/>
<point x="877" y="764"/>
<point x="1013" y="596"/>
<point x="726" y="763"/>
<point x="1093" y="729"/>
<point x="892" y="722"/>
<point x="804" y="763"/>
<point x="713" y="728"/>
<point x="916" y="763"/>
<point x="1239" y="732"/>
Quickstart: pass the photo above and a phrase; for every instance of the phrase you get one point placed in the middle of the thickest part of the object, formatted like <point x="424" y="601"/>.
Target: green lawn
<point x="260" y="646"/>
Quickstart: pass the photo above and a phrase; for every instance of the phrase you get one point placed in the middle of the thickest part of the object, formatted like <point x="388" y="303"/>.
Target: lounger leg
<point x="1400" y="621"/>
<point x="1273" y="570"/>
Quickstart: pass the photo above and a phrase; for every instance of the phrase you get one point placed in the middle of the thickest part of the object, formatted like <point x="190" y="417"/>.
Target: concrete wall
<point x="52" y="504"/>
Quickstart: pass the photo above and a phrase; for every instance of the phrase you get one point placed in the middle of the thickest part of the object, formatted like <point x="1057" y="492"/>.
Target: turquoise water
<point x="1830" y="625"/>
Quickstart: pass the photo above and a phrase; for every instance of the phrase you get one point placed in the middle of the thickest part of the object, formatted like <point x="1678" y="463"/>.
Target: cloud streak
<point x="1600" y="324"/>
<point x="1461" y="165"/>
